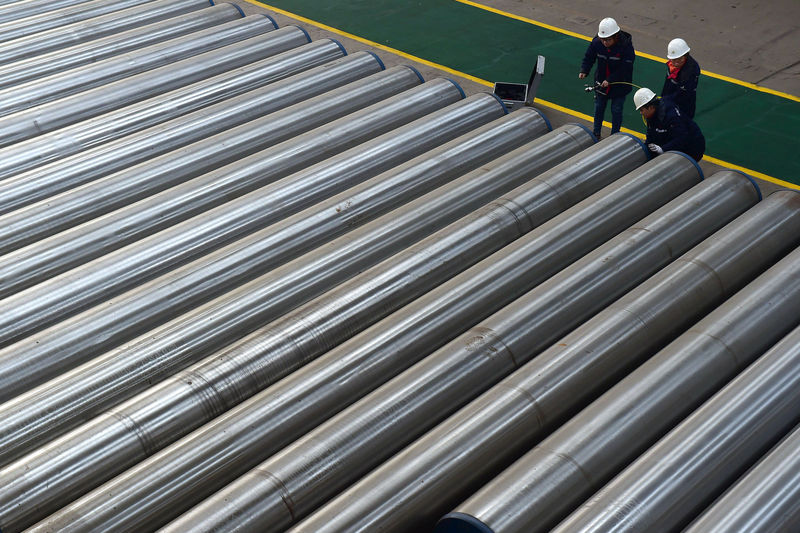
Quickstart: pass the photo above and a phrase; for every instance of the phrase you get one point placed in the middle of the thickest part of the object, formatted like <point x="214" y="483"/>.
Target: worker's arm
<point x="588" y="60"/>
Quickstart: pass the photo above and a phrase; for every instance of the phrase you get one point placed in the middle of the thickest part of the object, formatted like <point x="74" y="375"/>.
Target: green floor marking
<point x="742" y="126"/>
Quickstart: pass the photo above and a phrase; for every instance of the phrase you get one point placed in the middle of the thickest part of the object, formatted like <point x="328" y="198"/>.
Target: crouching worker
<point x="667" y="127"/>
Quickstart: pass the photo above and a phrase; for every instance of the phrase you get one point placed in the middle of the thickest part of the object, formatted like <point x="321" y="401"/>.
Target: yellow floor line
<point x="640" y="54"/>
<point x="543" y="103"/>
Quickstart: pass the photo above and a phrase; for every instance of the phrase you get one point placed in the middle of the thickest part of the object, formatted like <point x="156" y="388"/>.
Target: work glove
<point x="656" y="149"/>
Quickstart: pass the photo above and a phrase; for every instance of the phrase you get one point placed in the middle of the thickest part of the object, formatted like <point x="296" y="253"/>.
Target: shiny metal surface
<point x="20" y="186"/>
<point x="45" y="412"/>
<point x="157" y="501"/>
<point x="622" y="423"/>
<point x="157" y="228"/>
<point x="228" y="377"/>
<point x="88" y="104"/>
<point x="317" y="475"/>
<point x="29" y="8"/>
<point x="106" y="71"/>
<point x="80" y="32"/>
<point x="685" y="471"/>
<point x="767" y="498"/>
<point x="412" y="494"/>
<point x="46" y="65"/>
<point x="115" y="155"/>
<point x="14" y="28"/>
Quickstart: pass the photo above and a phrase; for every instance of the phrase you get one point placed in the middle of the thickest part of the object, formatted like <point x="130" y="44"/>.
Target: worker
<point x="667" y="127"/>
<point x="612" y="48"/>
<point x="683" y="73"/>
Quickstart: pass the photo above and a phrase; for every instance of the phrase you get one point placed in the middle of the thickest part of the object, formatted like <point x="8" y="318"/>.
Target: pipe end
<point x="463" y="95"/>
<point x="586" y="129"/>
<point x="417" y="72"/>
<point x="340" y="45"/>
<point x="505" y="109"/>
<point x="638" y="140"/>
<point x="691" y="160"/>
<point x="749" y="177"/>
<point x="461" y="523"/>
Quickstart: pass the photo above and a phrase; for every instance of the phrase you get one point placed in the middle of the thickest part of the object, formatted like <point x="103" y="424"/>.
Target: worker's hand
<point x="604" y="84"/>
<point x="581" y="75"/>
<point x="656" y="149"/>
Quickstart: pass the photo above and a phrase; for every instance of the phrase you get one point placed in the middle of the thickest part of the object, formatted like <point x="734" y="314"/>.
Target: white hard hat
<point x="608" y="27"/>
<point x="643" y="97"/>
<point x="677" y="48"/>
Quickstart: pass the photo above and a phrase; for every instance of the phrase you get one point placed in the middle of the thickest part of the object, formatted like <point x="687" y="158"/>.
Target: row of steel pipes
<point x="251" y="282"/>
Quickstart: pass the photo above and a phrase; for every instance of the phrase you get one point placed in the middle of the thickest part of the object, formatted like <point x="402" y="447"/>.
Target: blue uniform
<point x="614" y="64"/>
<point x="672" y="130"/>
<point x="683" y="89"/>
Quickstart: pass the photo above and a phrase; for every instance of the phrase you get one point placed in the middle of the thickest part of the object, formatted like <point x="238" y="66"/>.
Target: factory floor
<point x="748" y="128"/>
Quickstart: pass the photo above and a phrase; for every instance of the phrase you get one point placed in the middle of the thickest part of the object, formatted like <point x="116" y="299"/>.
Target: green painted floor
<point x="745" y="127"/>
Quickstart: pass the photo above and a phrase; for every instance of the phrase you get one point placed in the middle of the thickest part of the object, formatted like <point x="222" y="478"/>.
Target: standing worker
<point x="613" y="50"/>
<point x="667" y="127"/>
<point x="683" y="73"/>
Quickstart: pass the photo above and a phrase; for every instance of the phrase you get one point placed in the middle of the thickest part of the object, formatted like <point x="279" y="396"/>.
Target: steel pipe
<point x="383" y="408"/>
<point x="119" y="268"/>
<point x="81" y="32"/>
<point x="222" y="370"/>
<point x="123" y="67"/>
<point x="88" y="104"/>
<point x="456" y="373"/>
<point x="30" y="8"/>
<point x="115" y="155"/>
<point x="623" y="422"/>
<point x="223" y="449"/>
<point x="36" y="417"/>
<point x="506" y="420"/>
<point x="685" y="471"/>
<point x="233" y="220"/>
<point x="42" y="67"/>
<point x="767" y="498"/>
<point x="24" y="187"/>
<point x="14" y="28"/>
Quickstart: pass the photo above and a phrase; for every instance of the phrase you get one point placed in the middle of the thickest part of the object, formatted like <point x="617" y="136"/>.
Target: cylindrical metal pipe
<point x="458" y="372"/>
<point x="42" y="67"/>
<point x="30" y="8"/>
<point x="35" y="417"/>
<point x="171" y="499"/>
<point x="767" y="498"/>
<point x="299" y="66"/>
<point x="88" y="104"/>
<point x="88" y="165"/>
<point x="224" y="379"/>
<point x="685" y="471"/>
<point x="348" y="450"/>
<point x="122" y="67"/>
<point x="96" y="28"/>
<point x="577" y="459"/>
<point x="14" y="28"/>
<point x="151" y="252"/>
<point x="508" y="418"/>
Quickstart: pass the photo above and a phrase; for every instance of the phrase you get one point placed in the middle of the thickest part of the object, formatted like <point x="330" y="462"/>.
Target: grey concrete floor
<point x="757" y="41"/>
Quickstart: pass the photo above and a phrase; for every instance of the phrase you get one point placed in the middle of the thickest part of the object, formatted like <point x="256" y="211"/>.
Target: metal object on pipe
<point x="115" y="155"/>
<point x="96" y="28"/>
<point x="767" y="498"/>
<point x="34" y="418"/>
<point x="22" y="27"/>
<point x="235" y="219"/>
<point x="344" y="449"/>
<point x="45" y="65"/>
<point x="298" y="66"/>
<point x="107" y="267"/>
<point x="88" y="104"/>
<point x="189" y="406"/>
<point x="608" y="434"/>
<point x="123" y="67"/>
<point x="685" y="471"/>
<point x="458" y="372"/>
